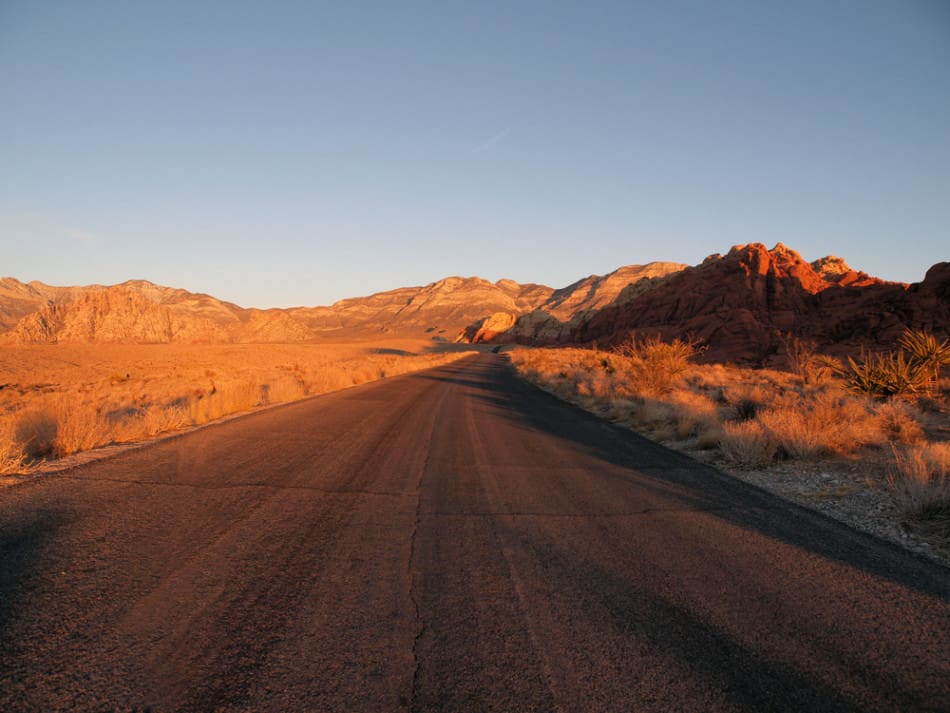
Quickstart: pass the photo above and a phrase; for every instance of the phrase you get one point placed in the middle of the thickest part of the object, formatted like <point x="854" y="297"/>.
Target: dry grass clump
<point x="59" y="400"/>
<point x="12" y="457"/>
<point x="920" y="477"/>
<point x="748" y="444"/>
<point x="811" y="425"/>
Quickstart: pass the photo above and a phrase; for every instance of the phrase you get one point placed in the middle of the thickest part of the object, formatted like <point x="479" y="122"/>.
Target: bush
<point x="655" y="363"/>
<point x="748" y="444"/>
<point x="35" y="433"/>
<point x="920" y="482"/>
<point x="821" y="424"/>
<point x="915" y="368"/>
<point x="885" y="375"/>
<point x="928" y="352"/>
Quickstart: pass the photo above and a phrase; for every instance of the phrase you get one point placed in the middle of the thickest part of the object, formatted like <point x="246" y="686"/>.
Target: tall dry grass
<point x="754" y="417"/>
<point x="55" y="401"/>
<point x="920" y="476"/>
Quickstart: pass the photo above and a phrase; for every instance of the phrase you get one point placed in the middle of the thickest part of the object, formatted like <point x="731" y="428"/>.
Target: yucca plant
<point x="931" y="354"/>
<point x="887" y="374"/>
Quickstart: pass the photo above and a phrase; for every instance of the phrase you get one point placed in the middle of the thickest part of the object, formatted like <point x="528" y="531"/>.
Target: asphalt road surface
<point x="452" y="540"/>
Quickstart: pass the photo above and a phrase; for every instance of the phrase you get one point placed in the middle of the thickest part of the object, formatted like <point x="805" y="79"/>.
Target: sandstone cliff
<point x="740" y="304"/>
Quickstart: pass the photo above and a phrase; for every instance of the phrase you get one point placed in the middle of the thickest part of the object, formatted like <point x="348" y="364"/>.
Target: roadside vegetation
<point x="885" y="413"/>
<point x="59" y="400"/>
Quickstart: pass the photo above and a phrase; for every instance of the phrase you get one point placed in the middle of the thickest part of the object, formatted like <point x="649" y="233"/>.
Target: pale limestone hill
<point x="569" y="306"/>
<point x="18" y="299"/>
<point x="445" y="306"/>
<point x="138" y="311"/>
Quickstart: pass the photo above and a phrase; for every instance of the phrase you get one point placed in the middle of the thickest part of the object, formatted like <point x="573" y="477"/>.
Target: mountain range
<point x="740" y="305"/>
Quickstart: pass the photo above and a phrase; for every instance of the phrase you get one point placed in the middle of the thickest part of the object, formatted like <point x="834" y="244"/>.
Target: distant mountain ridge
<point x="143" y="312"/>
<point x="739" y="304"/>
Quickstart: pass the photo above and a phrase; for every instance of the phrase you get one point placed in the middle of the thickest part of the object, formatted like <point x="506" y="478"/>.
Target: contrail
<point x="496" y="139"/>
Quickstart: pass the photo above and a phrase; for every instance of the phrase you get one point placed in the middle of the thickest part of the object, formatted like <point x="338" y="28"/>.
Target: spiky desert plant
<point x="931" y="354"/>
<point x="885" y="375"/>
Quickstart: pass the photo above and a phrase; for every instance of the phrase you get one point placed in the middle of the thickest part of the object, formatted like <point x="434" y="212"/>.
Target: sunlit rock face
<point x="139" y="311"/>
<point x="741" y="305"/>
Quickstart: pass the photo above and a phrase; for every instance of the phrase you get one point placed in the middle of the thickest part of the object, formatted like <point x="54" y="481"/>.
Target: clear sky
<point x="282" y="153"/>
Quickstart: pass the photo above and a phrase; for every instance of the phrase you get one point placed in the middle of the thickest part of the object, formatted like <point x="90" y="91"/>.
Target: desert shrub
<point x="920" y="482"/>
<point x="800" y="355"/>
<point x="804" y="360"/>
<point x="652" y="414"/>
<point x="282" y="390"/>
<point x="899" y="423"/>
<point x="80" y="426"/>
<point x="886" y="374"/>
<point x="913" y="369"/>
<point x="710" y="436"/>
<point x="621" y="409"/>
<point x="929" y="353"/>
<point x="748" y="444"/>
<point x="695" y="412"/>
<point x="655" y="363"/>
<point x="12" y="457"/>
<point x="35" y="433"/>
<point x="744" y="402"/>
<point x="821" y="423"/>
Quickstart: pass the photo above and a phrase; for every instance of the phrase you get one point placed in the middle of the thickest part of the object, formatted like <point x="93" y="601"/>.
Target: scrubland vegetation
<point x="887" y="413"/>
<point x="58" y="400"/>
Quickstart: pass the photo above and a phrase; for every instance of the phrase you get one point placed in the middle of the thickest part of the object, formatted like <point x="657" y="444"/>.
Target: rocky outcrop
<point x="447" y="306"/>
<point x="18" y="299"/>
<point x="123" y="313"/>
<point x="565" y="309"/>
<point x="485" y="330"/>
<point x="741" y="305"/>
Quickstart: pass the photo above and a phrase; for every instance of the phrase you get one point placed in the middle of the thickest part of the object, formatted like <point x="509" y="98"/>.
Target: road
<point x="451" y="540"/>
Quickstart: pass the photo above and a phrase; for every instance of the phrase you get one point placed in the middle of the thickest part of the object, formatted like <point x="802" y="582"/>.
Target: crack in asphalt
<point x="414" y="598"/>
<point x="413" y="594"/>
<point x="239" y="486"/>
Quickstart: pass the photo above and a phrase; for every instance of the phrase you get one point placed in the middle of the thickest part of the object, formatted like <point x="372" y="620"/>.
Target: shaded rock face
<point x="741" y="304"/>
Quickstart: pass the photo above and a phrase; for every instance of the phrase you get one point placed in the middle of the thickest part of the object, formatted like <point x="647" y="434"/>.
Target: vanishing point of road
<point x="450" y="540"/>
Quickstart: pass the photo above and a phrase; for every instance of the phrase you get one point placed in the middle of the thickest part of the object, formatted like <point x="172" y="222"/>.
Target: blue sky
<point x="286" y="153"/>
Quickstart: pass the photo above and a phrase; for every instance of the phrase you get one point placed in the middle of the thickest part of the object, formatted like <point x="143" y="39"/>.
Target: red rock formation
<point x="741" y="304"/>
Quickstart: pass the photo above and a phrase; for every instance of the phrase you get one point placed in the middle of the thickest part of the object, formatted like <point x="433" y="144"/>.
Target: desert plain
<point x="60" y="399"/>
